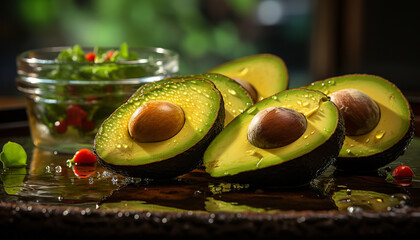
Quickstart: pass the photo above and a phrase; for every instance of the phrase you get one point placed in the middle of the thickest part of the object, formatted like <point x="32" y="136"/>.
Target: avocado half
<point x="391" y="136"/>
<point x="233" y="158"/>
<point x="267" y="73"/>
<point x="235" y="97"/>
<point x="203" y="108"/>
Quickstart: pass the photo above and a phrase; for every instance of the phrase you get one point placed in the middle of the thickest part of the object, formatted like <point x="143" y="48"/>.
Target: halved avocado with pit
<point x="235" y="97"/>
<point x="133" y="141"/>
<point x="370" y="144"/>
<point x="232" y="157"/>
<point x="266" y="73"/>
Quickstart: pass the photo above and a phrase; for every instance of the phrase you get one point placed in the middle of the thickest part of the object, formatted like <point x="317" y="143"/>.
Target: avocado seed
<point x="249" y="88"/>
<point x="276" y="127"/>
<point x="360" y="112"/>
<point x="156" y="121"/>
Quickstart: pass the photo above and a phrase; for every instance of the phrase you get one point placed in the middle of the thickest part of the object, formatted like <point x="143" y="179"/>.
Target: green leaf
<point x="13" y="155"/>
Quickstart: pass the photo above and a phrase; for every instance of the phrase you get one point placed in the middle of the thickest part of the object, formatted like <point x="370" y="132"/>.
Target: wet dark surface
<point x="47" y="180"/>
<point x="49" y="197"/>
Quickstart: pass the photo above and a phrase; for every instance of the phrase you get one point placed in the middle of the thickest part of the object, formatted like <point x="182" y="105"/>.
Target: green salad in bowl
<point x="70" y="91"/>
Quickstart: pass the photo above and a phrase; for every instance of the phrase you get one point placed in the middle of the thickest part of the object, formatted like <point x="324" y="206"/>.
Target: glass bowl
<point x="68" y="101"/>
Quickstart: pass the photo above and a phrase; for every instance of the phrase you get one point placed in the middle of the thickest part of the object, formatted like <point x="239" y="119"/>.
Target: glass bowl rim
<point x="167" y="54"/>
<point x="34" y="81"/>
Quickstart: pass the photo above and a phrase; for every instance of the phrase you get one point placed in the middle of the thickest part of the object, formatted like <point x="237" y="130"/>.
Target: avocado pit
<point x="276" y="127"/>
<point x="360" y="112"/>
<point x="156" y="121"/>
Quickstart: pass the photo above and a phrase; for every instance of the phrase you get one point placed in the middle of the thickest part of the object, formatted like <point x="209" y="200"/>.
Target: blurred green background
<point x="205" y="33"/>
<point x="315" y="38"/>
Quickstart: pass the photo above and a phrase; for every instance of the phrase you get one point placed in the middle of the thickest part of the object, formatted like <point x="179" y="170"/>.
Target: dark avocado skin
<point x="373" y="162"/>
<point x="176" y="165"/>
<point x="308" y="166"/>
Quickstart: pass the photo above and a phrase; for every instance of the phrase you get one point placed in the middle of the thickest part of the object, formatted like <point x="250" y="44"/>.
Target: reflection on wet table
<point x="47" y="180"/>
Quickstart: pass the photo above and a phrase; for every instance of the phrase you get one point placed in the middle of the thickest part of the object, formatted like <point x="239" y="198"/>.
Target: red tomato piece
<point x="60" y="127"/>
<point x="91" y="99"/>
<point x="109" y="54"/>
<point x="84" y="157"/>
<point x="75" y="115"/>
<point x="90" y="56"/>
<point x="402" y="171"/>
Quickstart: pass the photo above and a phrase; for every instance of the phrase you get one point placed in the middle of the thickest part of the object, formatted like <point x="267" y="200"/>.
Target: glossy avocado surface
<point x="235" y="97"/>
<point x="233" y="158"/>
<point x="266" y="73"/>
<point x="389" y="138"/>
<point x="203" y="107"/>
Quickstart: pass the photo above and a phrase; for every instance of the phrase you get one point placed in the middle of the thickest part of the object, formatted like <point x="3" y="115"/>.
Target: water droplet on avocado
<point x="305" y="104"/>
<point x="367" y="140"/>
<point x="306" y="136"/>
<point x="331" y="82"/>
<point x="380" y="134"/>
<point x="251" y="110"/>
<point x="274" y="97"/>
<point x="312" y="133"/>
<point x="232" y="92"/>
<point x="259" y="162"/>
<point x="243" y="71"/>
<point x="348" y="150"/>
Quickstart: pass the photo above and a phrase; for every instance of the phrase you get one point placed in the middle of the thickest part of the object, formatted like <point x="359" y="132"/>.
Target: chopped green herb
<point x="13" y="155"/>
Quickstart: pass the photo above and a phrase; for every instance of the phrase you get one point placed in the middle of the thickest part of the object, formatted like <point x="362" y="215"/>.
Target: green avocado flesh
<point x="391" y="135"/>
<point x="235" y="97"/>
<point x="231" y="154"/>
<point x="267" y="73"/>
<point x="204" y="115"/>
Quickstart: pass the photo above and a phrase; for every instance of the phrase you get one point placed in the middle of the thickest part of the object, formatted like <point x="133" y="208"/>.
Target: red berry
<point x="83" y="171"/>
<point x="84" y="157"/>
<point x="90" y="56"/>
<point x="75" y="115"/>
<point x="60" y="127"/>
<point x="402" y="171"/>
